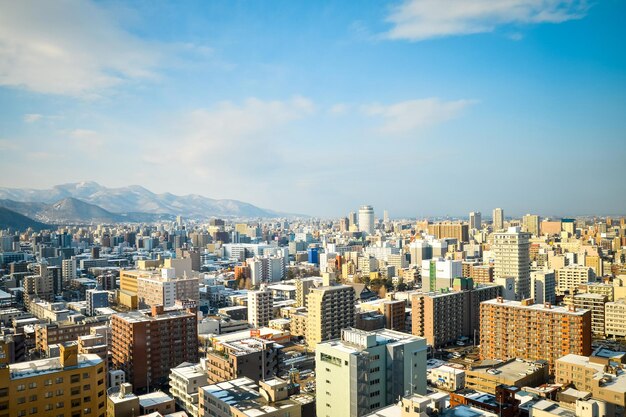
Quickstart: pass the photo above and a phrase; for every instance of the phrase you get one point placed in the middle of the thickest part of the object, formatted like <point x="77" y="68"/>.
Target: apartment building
<point x="53" y="333"/>
<point x="486" y="376"/>
<point x="457" y="231"/>
<point x="571" y="277"/>
<point x="69" y="385"/>
<point x="554" y="331"/>
<point x="260" y="307"/>
<point x="364" y="371"/>
<point x="185" y="380"/>
<point x="253" y="358"/>
<point x="615" y="318"/>
<point x="147" y="345"/>
<point x="303" y="285"/>
<point x="605" y="379"/>
<point x="393" y="311"/>
<point x="543" y="286"/>
<point x="594" y="303"/>
<point x="330" y="309"/>
<point x="444" y="317"/>
<point x="512" y="259"/>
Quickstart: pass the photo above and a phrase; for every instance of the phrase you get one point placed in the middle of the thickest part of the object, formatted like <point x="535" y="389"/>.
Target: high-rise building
<point x="366" y="219"/>
<point x="352" y="220"/>
<point x="440" y="273"/>
<point x="530" y="224"/>
<point x="364" y="371"/>
<point x="594" y="303"/>
<point x="330" y="309"/>
<point x="147" y="346"/>
<point x="444" y="317"/>
<point x="96" y="299"/>
<point x="457" y="231"/>
<point x="68" y="269"/>
<point x="475" y="220"/>
<point x="543" y="287"/>
<point x="556" y="331"/>
<point x="259" y="307"/>
<point x="498" y="219"/>
<point x="254" y="358"/>
<point x="512" y="259"/>
<point x="68" y="385"/>
<point x="615" y="318"/>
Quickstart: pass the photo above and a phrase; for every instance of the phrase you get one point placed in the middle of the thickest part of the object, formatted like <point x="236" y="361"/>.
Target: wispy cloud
<point x="412" y="115"/>
<point x="417" y="20"/>
<point x="210" y="139"/>
<point x="69" y="47"/>
<point x="32" y="117"/>
<point x="87" y="139"/>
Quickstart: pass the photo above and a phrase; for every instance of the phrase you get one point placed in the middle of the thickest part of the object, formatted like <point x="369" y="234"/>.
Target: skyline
<point x="318" y="108"/>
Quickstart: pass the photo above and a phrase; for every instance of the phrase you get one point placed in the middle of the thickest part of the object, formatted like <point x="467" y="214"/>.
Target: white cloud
<point x="69" y="47"/>
<point x="87" y="139"/>
<point x="412" y="115"/>
<point x="339" y="109"/>
<point x="32" y="117"/>
<point x="230" y="132"/>
<point x="416" y="20"/>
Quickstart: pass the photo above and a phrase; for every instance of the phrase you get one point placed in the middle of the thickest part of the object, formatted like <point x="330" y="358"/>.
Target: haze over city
<point x="418" y="107"/>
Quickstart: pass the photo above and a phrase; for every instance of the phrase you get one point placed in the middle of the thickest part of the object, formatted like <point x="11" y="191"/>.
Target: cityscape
<point x="406" y="208"/>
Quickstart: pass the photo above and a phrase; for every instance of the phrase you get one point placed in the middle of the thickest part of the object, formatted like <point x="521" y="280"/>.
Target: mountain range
<point x="91" y="202"/>
<point x="14" y="220"/>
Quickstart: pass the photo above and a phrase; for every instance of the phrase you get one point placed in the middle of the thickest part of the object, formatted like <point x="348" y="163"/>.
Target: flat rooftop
<point x="536" y="307"/>
<point x="50" y="365"/>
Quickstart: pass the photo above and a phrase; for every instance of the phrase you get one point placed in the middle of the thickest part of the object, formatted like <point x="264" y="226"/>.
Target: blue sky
<point x="421" y="107"/>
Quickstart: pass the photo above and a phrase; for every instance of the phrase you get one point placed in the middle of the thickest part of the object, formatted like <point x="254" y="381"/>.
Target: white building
<point x="259" y="308"/>
<point x="447" y="378"/>
<point x="364" y="371"/>
<point x="185" y="380"/>
<point x="440" y="273"/>
<point x="366" y="219"/>
<point x="542" y="287"/>
<point x="512" y="259"/>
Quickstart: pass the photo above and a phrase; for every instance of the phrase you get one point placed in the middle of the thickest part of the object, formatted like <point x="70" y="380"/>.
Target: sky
<point x="419" y="107"/>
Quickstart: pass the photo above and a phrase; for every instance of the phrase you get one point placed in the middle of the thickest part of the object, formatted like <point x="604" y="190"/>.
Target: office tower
<point x="475" y="220"/>
<point x="444" y="317"/>
<point x="259" y="307"/>
<point x="96" y="299"/>
<point x="364" y="371"/>
<point x="457" y="231"/>
<point x="498" y="219"/>
<point x="439" y="273"/>
<point x="147" y="346"/>
<point x="352" y="220"/>
<point x="571" y="277"/>
<point x="330" y="309"/>
<point x="420" y="250"/>
<point x="366" y="219"/>
<point x="512" y="259"/>
<point x="344" y="224"/>
<point x="557" y="331"/>
<point x="385" y="216"/>
<point x="68" y="385"/>
<point x="543" y="287"/>
<point x="530" y="224"/>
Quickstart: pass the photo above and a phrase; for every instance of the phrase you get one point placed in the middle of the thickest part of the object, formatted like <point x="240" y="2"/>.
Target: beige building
<point x="330" y="309"/>
<point x="512" y="259"/>
<point x="605" y="379"/>
<point x="571" y="277"/>
<point x="486" y="376"/>
<point x="530" y="224"/>
<point x="594" y="303"/>
<point x="556" y="331"/>
<point x="70" y="385"/>
<point x="615" y="318"/>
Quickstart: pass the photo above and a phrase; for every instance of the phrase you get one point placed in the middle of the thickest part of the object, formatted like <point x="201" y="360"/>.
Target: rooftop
<point x="537" y="307"/>
<point x="50" y="365"/>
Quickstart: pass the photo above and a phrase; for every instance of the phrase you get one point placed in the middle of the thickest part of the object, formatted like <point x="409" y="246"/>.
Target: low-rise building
<point x="488" y="374"/>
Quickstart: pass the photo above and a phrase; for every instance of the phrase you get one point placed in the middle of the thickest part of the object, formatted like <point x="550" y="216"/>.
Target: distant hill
<point x="14" y="220"/>
<point x="134" y="199"/>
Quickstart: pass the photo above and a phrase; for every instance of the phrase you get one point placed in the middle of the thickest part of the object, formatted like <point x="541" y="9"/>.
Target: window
<point x="21" y="387"/>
